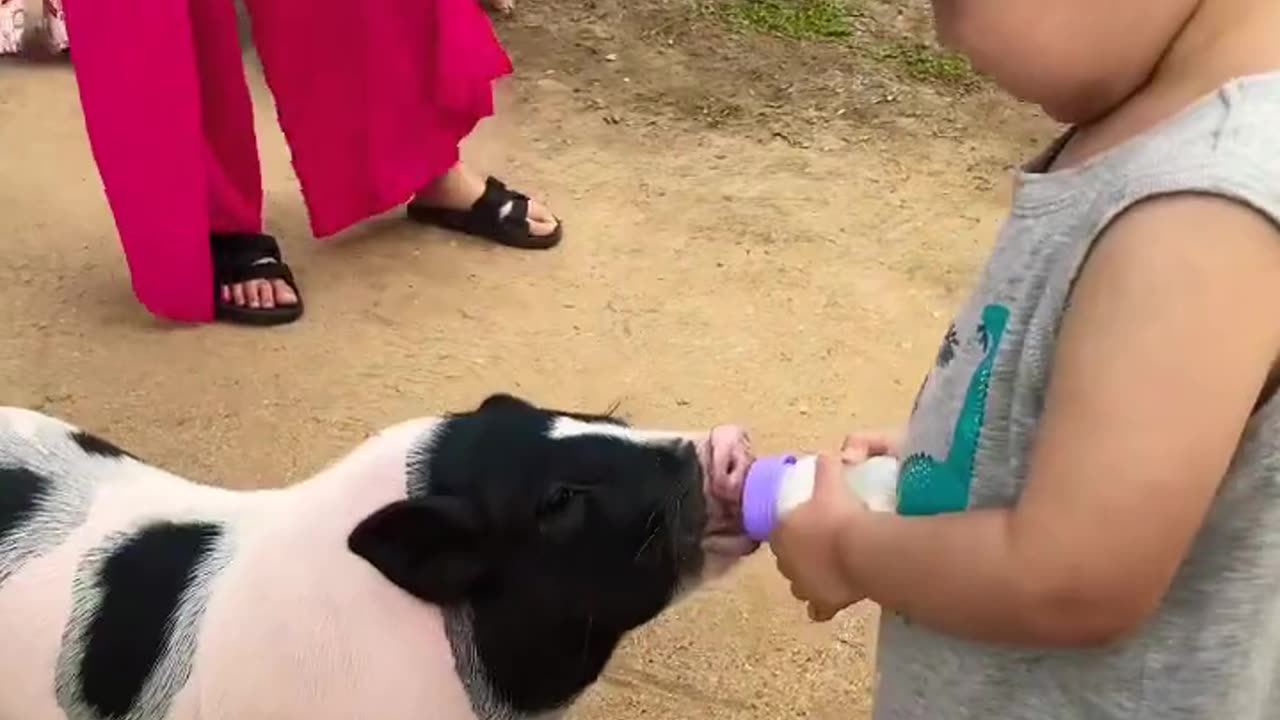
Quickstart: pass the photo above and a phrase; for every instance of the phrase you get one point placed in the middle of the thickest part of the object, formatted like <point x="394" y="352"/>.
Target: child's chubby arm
<point x="1171" y="339"/>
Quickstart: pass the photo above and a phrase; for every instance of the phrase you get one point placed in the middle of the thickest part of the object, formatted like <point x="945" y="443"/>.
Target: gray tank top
<point x="1212" y="651"/>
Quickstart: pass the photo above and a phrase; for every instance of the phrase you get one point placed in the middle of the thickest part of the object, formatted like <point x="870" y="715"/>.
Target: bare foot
<point x="260" y="293"/>
<point x="459" y="189"/>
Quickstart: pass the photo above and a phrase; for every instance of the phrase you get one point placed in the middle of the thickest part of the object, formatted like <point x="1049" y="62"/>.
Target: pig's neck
<point x="514" y="665"/>
<point x="509" y="667"/>
<point x="375" y="468"/>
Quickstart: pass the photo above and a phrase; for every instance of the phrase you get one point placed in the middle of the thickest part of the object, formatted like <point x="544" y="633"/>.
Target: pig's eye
<point x="558" y="500"/>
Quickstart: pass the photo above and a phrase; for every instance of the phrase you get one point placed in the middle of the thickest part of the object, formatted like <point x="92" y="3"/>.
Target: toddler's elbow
<point x="1075" y="617"/>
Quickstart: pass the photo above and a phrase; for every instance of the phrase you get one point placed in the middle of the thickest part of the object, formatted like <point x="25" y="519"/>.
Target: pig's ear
<point x="501" y="401"/>
<point x="430" y="547"/>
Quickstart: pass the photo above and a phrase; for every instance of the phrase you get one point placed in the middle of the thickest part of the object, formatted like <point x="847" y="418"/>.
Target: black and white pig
<point x="482" y="564"/>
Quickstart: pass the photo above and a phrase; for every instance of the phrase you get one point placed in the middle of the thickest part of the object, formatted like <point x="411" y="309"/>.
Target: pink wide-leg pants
<point x="373" y="97"/>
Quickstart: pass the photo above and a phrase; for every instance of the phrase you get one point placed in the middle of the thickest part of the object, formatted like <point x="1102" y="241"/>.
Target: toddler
<point x="1089" y="505"/>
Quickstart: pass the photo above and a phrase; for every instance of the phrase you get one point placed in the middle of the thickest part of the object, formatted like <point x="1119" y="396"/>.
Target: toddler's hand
<point x="859" y="446"/>
<point x="807" y="542"/>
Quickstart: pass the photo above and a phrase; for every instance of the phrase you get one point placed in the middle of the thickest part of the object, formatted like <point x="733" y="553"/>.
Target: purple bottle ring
<point x="760" y="495"/>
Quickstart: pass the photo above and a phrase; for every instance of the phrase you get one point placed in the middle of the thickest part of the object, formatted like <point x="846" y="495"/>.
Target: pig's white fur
<point x="282" y="622"/>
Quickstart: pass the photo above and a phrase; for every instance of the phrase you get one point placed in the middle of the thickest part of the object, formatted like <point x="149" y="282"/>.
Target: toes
<point x="540" y="213"/>
<point x="540" y="228"/>
<point x="266" y="293"/>
<point x="255" y="294"/>
<point x="541" y="220"/>
<point x="253" y="289"/>
<point x="284" y="294"/>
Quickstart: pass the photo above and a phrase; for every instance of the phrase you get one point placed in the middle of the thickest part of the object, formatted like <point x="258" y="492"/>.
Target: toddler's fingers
<point x="784" y="569"/>
<point x="853" y="456"/>
<point x="822" y="613"/>
<point x="799" y="594"/>
<point x="856" y="448"/>
<point x="829" y="476"/>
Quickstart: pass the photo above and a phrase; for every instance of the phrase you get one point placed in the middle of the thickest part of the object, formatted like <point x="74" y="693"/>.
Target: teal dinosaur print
<point x="929" y="487"/>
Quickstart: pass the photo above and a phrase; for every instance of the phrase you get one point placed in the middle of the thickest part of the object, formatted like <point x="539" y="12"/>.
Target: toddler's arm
<point x="1171" y="338"/>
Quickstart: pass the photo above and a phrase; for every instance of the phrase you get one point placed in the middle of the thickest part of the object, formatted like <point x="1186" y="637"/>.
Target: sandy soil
<point x="755" y="233"/>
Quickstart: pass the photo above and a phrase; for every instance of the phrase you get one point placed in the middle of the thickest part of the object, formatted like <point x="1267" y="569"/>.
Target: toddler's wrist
<point x="851" y="541"/>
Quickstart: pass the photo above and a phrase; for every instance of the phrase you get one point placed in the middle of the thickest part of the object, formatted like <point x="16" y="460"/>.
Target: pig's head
<point x="546" y="536"/>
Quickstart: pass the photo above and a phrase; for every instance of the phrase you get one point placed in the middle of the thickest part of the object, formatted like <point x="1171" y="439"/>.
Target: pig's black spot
<point x="21" y="491"/>
<point x="93" y="445"/>
<point x="142" y="582"/>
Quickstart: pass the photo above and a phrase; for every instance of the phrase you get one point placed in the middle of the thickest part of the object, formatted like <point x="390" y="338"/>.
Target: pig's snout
<point x="725" y="455"/>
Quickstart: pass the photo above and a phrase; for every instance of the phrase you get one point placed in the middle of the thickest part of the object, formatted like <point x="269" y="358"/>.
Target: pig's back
<point x="251" y="605"/>
<point x="70" y="504"/>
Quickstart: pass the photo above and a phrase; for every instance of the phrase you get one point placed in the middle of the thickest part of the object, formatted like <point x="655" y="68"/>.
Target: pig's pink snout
<point x="726" y="457"/>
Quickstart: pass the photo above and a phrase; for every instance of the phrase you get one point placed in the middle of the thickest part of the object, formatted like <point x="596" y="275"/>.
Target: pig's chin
<point x="717" y="554"/>
<point x="714" y="551"/>
<point x="722" y="552"/>
<point x="724" y="541"/>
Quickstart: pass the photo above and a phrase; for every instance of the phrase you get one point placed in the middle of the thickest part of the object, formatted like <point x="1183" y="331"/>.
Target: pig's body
<point x="129" y="593"/>
<point x="282" y="620"/>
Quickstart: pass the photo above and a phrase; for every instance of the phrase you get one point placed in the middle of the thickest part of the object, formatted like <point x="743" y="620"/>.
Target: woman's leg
<point x="139" y="90"/>
<point x="176" y="154"/>
<point x="226" y="115"/>
<point x="374" y="99"/>
<point x="234" y="174"/>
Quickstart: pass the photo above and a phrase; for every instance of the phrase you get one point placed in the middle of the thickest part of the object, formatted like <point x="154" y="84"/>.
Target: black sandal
<point x="239" y="258"/>
<point x="485" y="219"/>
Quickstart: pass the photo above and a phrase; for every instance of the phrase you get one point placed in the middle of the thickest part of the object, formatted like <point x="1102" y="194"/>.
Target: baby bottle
<point x="775" y="485"/>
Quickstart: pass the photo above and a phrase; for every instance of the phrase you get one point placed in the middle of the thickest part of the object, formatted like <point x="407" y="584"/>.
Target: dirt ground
<point x="758" y="230"/>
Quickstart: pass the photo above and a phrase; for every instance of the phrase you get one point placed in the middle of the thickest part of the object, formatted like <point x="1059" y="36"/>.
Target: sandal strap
<point x="496" y="195"/>
<point x="513" y="194"/>
<point x="492" y="200"/>
<point x="519" y="215"/>
<point x="510" y="227"/>
<point x="485" y="218"/>
<point x="243" y="248"/>
<point x="241" y="257"/>
<point x="264" y="269"/>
